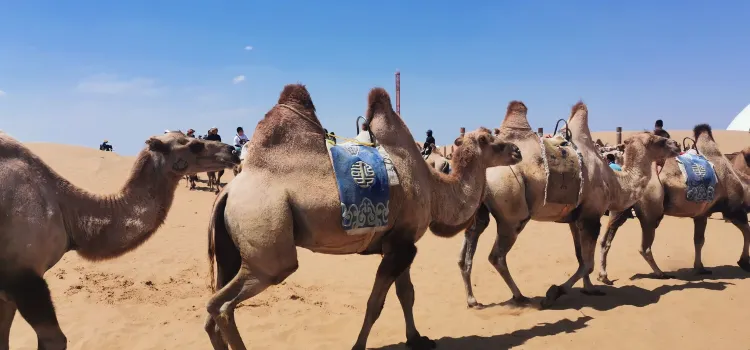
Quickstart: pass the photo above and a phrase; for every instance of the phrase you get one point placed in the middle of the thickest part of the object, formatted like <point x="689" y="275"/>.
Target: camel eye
<point x="196" y="147"/>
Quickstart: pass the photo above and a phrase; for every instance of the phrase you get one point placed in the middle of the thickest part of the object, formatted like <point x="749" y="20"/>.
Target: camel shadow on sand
<point x="506" y="341"/>
<point x="724" y="272"/>
<point x="627" y="296"/>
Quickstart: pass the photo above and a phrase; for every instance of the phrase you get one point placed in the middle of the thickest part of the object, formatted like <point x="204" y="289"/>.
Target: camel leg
<point x="616" y="219"/>
<point x="394" y="263"/>
<point x="585" y="233"/>
<point x="469" y="247"/>
<point x="648" y="230"/>
<point x="504" y="241"/>
<point x="7" y="313"/>
<point x="739" y="219"/>
<point x="221" y="307"/>
<point x="31" y="295"/>
<point x="405" y="293"/>
<point x="699" y="238"/>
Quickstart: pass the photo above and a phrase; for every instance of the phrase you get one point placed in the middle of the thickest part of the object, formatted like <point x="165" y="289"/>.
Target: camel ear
<point x="497" y="131"/>
<point x="459" y="141"/>
<point x="483" y="139"/>
<point x="157" y="145"/>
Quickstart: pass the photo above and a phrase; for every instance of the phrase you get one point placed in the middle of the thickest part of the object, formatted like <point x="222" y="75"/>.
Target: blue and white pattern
<point x="700" y="177"/>
<point x="364" y="189"/>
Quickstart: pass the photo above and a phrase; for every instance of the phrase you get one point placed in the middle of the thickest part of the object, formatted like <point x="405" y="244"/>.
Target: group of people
<point x="658" y="131"/>
<point x="240" y="139"/>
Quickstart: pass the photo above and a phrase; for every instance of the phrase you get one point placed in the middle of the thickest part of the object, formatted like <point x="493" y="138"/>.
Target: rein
<point x="301" y="115"/>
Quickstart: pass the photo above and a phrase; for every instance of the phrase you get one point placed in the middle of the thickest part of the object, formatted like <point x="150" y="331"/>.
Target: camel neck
<point x="456" y="197"/>
<point x="102" y="227"/>
<point x="632" y="180"/>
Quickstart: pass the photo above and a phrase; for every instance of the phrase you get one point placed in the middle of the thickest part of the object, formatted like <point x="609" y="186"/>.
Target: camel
<point x="43" y="216"/>
<point x="741" y="162"/>
<point x="666" y="194"/>
<point x="214" y="179"/>
<point x="523" y="192"/>
<point x="287" y="196"/>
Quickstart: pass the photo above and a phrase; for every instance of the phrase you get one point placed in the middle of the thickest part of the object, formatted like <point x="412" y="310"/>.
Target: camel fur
<point x="666" y="195"/>
<point x="286" y="197"/>
<point x="43" y="216"/>
<point x="516" y="194"/>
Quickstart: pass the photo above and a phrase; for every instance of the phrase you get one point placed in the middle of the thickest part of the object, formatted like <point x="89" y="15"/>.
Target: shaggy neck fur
<point x="632" y="180"/>
<point x="102" y="227"/>
<point x="464" y="187"/>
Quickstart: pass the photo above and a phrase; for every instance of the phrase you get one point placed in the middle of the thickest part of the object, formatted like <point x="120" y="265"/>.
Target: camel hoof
<point x="593" y="292"/>
<point x="702" y="271"/>
<point x="664" y="276"/>
<point x="421" y="343"/>
<point x="604" y="279"/>
<point x="744" y="264"/>
<point x="553" y="293"/>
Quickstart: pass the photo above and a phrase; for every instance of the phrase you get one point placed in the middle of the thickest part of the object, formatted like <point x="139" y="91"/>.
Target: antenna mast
<point x="398" y="93"/>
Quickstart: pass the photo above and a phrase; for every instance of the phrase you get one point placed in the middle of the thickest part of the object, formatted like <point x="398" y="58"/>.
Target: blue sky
<point x="81" y="71"/>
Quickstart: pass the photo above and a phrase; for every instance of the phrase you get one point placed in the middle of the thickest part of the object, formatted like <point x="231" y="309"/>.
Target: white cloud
<point x="248" y="48"/>
<point x="2" y="93"/>
<point x="238" y="79"/>
<point x="109" y="84"/>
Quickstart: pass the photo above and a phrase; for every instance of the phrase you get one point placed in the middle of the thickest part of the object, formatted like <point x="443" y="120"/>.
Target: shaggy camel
<point x="516" y="194"/>
<point x="295" y="203"/>
<point x="43" y="216"/>
<point x="666" y="195"/>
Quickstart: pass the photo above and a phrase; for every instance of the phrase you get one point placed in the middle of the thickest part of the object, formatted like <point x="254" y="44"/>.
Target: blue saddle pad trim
<point x="363" y="186"/>
<point x="701" y="177"/>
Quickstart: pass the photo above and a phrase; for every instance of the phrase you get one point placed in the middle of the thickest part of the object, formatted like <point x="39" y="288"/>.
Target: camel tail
<point x="221" y="248"/>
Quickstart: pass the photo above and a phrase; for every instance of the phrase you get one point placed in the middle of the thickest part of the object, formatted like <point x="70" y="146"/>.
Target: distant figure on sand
<point x="214" y="179"/>
<point x="105" y="146"/>
<point x="191" y="178"/>
<point x="429" y="144"/>
<point x="240" y="139"/>
<point x="612" y="164"/>
<point x="659" y="129"/>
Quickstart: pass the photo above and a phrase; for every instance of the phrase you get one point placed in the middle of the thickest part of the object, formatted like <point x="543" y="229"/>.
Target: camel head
<point x="646" y="144"/>
<point x="181" y="155"/>
<point x="492" y="152"/>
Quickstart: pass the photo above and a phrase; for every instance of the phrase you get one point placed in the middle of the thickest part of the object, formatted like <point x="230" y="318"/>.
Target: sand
<point x="154" y="297"/>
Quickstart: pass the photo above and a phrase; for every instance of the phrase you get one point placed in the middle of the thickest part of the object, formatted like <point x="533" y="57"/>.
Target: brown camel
<point x="548" y="190"/>
<point x="43" y="216"/>
<point x="287" y="197"/>
<point x="214" y="179"/>
<point x="741" y="162"/>
<point x="666" y="195"/>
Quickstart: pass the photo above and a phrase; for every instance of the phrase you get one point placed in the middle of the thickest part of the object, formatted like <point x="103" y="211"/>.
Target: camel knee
<point x="281" y="276"/>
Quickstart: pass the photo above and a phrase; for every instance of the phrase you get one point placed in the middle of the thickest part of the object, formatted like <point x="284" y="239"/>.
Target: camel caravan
<point x="294" y="188"/>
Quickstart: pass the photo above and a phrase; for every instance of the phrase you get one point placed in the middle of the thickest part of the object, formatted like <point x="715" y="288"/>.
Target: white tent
<point x="742" y="121"/>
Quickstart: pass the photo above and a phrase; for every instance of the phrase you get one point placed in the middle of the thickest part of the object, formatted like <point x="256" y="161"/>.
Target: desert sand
<point x="154" y="297"/>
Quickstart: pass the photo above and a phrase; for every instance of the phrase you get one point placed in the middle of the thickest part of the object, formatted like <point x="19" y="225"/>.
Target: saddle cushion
<point x="700" y="177"/>
<point x="364" y="187"/>
<point x="563" y="167"/>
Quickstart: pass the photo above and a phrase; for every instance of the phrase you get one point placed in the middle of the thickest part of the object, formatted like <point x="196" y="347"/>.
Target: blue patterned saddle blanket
<point x="700" y="177"/>
<point x="364" y="175"/>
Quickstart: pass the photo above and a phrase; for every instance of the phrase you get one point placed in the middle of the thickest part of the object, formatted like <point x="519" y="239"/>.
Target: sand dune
<point x="154" y="297"/>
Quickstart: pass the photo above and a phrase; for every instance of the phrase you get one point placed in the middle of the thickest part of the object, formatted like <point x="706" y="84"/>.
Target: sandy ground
<point x="154" y="297"/>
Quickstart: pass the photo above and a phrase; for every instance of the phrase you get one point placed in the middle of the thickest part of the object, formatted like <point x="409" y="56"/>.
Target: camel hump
<point x="379" y="101"/>
<point x="516" y="107"/>
<point x="700" y="129"/>
<point x="297" y="94"/>
<point x="579" y="107"/>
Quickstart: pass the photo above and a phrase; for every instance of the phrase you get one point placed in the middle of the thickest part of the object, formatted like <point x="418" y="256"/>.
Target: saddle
<point x="562" y="165"/>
